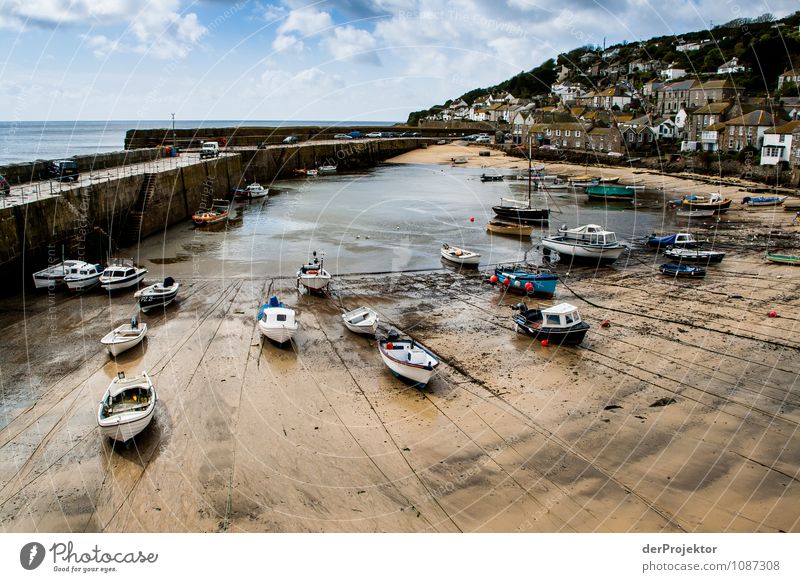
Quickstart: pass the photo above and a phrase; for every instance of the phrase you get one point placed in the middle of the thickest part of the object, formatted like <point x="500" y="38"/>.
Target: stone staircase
<point x="132" y="230"/>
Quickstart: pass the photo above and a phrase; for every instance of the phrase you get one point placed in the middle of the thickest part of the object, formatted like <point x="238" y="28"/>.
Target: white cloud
<point x="305" y="22"/>
<point x="287" y="42"/>
<point x="352" y="44"/>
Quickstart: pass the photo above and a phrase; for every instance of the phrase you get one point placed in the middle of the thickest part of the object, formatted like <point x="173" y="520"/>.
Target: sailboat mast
<point x="530" y="178"/>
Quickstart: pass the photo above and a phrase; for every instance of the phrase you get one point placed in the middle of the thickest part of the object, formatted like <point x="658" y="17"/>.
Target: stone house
<point x="604" y="139"/>
<point x="670" y="98"/>
<point x="746" y="130"/>
<point x="703" y="93"/>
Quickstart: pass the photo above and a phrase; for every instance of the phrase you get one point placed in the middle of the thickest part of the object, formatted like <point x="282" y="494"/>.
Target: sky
<point x="299" y="60"/>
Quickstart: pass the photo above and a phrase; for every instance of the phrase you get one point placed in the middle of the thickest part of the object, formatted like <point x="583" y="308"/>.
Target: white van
<point x="210" y="149"/>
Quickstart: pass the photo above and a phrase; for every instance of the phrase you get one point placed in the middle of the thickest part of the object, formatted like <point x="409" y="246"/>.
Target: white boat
<point x="588" y="242"/>
<point x="252" y="191"/>
<point x="313" y="276"/>
<point x="312" y="172"/>
<point x="124" y="337"/>
<point x="327" y="169"/>
<point x="694" y="213"/>
<point x="460" y="256"/>
<point x="127" y="407"/>
<point x="276" y="321"/>
<point x="54" y="274"/>
<point x="362" y="320"/>
<point x="407" y="359"/>
<point x="83" y="276"/>
<point x="158" y="295"/>
<point x="121" y="274"/>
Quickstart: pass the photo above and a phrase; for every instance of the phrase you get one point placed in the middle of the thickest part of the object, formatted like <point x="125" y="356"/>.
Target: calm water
<point x="25" y="141"/>
<point x="392" y="218"/>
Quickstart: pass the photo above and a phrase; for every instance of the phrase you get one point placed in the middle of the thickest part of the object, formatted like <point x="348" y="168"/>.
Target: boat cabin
<point x="86" y="269"/>
<point x="592" y="234"/>
<point x="119" y="272"/>
<point x="561" y="315"/>
<point x="124" y="397"/>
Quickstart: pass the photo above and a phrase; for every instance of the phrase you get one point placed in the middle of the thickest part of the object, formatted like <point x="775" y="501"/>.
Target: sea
<point x="25" y="141"/>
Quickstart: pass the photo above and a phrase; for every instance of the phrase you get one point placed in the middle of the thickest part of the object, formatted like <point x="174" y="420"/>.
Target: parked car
<point x="615" y="155"/>
<point x="483" y="139"/>
<point x="291" y="139"/>
<point x="374" y="134"/>
<point x="209" y="149"/>
<point x="548" y="147"/>
<point x="342" y="136"/>
<point x="5" y="187"/>
<point x="63" y="170"/>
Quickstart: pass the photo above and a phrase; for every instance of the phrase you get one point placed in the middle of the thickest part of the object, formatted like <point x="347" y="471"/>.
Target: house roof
<point x="789" y="73"/>
<point x="679" y="86"/>
<point x="604" y="131"/>
<point x="719" y="126"/>
<point x="758" y="117"/>
<point x="716" y="107"/>
<point x="717" y="84"/>
<point x="786" y="128"/>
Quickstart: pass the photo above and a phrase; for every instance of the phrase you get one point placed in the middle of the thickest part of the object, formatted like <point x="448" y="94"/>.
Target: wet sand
<point x="509" y="436"/>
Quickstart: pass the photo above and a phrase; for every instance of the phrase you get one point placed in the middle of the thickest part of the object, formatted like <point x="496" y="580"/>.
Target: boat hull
<point x="783" y="259"/>
<point x="571" y="336"/>
<point x="314" y="282"/>
<point x="83" y="283"/>
<point x="682" y="271"/>
<point x="510" y="229"/>
<point x="693" y="256"/>
<point x="610" y="193"/>
<point x="417" y="375"/>
<point x="278" y="334"/>
<point x="119" y="284"/>
<point x="148" y="302"/>
<point x="117" y="346"/>
<point x="563" y="247"/>
<point x="468" y="259"/>
<point x="543" y="284"/>
<point x="123" y="431"/>
<point x="522" y="214"/>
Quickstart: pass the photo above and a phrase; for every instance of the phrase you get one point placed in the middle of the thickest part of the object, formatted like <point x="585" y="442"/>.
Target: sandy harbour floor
<point x="509" y="436"/>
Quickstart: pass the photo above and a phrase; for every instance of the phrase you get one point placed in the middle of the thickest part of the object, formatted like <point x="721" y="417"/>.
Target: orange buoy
<point x="472" y="219"/>
<point x="545" y="343"/>
<point x="606" y="323"/>
<point x="773" y="314"/>
<point x="493" y="279"/>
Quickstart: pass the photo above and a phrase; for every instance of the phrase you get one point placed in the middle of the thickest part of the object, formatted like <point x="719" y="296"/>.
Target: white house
<point x="672" y="73"/>
<point x="666" y="129"/>
<point x="691" y="46"/>
<point x="612" y="52"/>
<point x="777" y="145"/>
<point x="567" y="91"/>
<point x="789" y="76"/>
<point x="680" y="119"/>
<point x="732" y="66"/>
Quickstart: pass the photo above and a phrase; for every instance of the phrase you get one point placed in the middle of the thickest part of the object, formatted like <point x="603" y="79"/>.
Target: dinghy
<point x="362" y="320"/>
<point x="327" y="169"/>
<point x="509" y="228"/>
<point x="158" y="295"/>
<point x="764" y="200"/>
<point x="253" y="191"/>
<point x="408" y="360"/>
<point x="560" y="324"/>
<point x="218" y="212"/>
<point x="127" y="407"/>
<point x="523" y="279"/>
<point x="124" y="337"/>
<point x="783" y="259"/>
<point x="684" y="271"/>
<point x="276" y="321"/>
<point x="460" y="256"/>
<point x="312" y="275"/>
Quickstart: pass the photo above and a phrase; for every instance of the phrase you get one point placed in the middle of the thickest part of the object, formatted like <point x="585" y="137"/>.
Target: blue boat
<point x="542" y="282"/>
<point x="686" y="271"/>
<point x="764" y="200"/>
<point x="680" y="240"/>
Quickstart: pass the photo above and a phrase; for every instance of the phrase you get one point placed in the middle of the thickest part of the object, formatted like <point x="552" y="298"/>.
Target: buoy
<point x="459" y="253"/>
<point x="493" y="279"/>
<point x="472" y="219"/>
<point x="528" y="286"/>
<point x="506" y="281"/>
<point x="606" y="323"/>
<point x="545" y="343"/>
<point x="389" y="345"/>
<point x="773" y="314"/>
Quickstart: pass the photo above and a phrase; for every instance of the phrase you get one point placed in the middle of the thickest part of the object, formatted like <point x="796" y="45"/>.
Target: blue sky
<point x="290" y="59"/>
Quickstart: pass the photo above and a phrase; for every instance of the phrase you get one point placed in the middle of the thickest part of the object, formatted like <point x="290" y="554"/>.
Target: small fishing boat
<point x="518" y="211"/>
<point x="54" y="275"/>
<point x="218" y="212"/>
<point x="121" y="274"/>
<point x="685" y="271"/>
<point x="694" y="255"/>
<point x="83" y="276"/>
<point x="491" y="177"/>
<point x="312" y="275"/>
<point x="460" y="256"/>
<point x="362" y="320"/>
<point x="713" y="201"/>
<point x="681" y="240"/>
<point x="327" y="169"/>
<point x="589" y="242"/>
<point x="584" y="180"/>
<point x="603" y="192"/>
<point x="304" y="172"/>
<point x="458" y="160"/>
<point x="408" y="360"/>
<point x="127" y="407"/>
<point x="783" y="259"/>
<point x="560" y="324"/>
<point x="509" y="228"/>
<point x="251" y="192"/>
<point x="524" y="279"/>
<point x="764" y="200"/>
<point x="158" y="295"/>
<point x="276" y="321"/>
<point x="124" y="337"/>
<point x="557" y="184"/>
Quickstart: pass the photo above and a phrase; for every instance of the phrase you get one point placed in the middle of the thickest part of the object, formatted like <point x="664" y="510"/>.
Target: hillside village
<point x="728" y="91"/>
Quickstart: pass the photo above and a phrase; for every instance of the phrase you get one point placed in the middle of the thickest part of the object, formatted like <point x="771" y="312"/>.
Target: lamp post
<point x="173" y="134"/>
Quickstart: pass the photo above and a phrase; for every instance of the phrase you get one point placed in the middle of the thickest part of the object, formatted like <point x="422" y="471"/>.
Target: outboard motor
<point x="134" y="322"/>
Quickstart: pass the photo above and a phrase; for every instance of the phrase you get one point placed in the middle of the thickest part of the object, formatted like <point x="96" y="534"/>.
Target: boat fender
<point x="312" y="272"/>
<point x="545" y="343"/>
<point x="389" y="346"/>
<point x="606" y="323"/>
<point x="773" y="314"/>
<point x="459" y="253"/>
<point x="493" y="279"/>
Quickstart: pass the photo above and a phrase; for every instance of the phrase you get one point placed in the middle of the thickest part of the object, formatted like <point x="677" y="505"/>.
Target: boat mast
<point x="530" y="178"/>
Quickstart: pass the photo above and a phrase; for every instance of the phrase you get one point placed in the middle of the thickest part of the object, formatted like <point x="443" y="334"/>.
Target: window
<point x="731" y="130"/>
<point x="558" y="133"/>
<point x="553" y="319"/>
<point x="565" y="143"/>
<point x="577" y="133"/>
<point x="578" y="143"/>
<point x="730" y="144"/>
<point x="566" y="133"/>
<point x="280" y="316"/>
<point x="781" y="138"/>
<point x="548" y="132"/>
